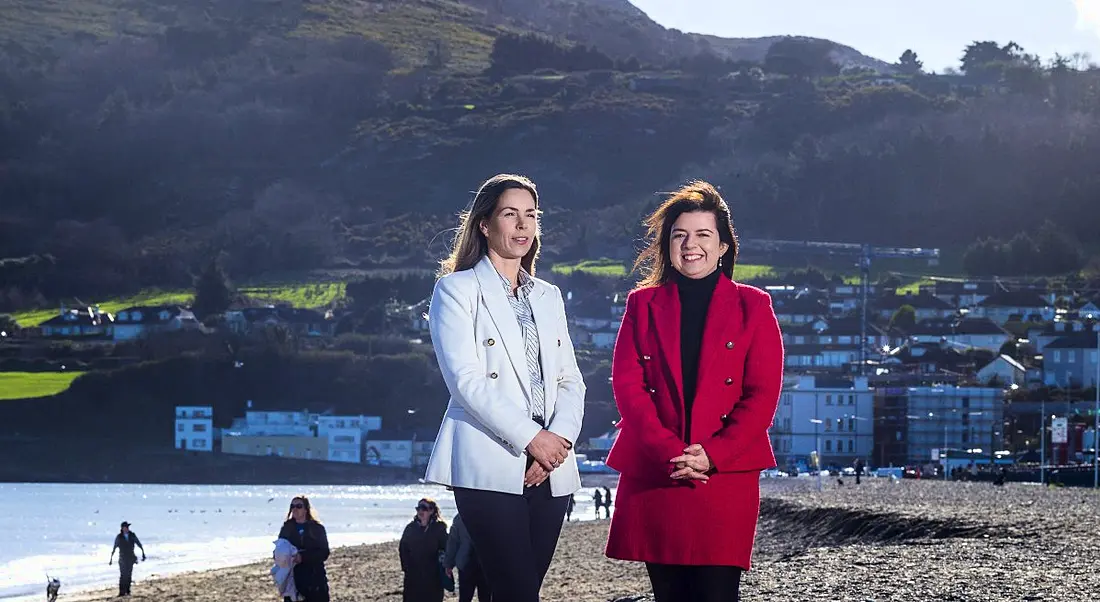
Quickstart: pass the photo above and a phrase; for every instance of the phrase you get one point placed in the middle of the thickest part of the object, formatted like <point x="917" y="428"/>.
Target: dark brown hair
<point x="310" y="514"/>
<point x="436" y="515"/>
<point x="470" y="245"/>
<point x="655" y="262"/>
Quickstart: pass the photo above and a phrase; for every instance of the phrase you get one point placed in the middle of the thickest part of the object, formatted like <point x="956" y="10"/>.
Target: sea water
<point x="67" y="531"/>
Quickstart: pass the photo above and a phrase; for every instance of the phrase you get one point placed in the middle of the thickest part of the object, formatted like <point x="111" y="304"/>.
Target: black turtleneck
<point x="695" y="297"/>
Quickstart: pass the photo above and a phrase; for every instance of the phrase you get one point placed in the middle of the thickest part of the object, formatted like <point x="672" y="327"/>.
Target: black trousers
<point x="125" y="575"/>
<point x="515" y="537"/>
<point x="686" y="583"/>
<point x="471" y="578"/>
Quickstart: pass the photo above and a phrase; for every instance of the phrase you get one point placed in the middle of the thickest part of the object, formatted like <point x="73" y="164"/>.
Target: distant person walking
<point x="607" y="502"/>
<point x="597" y="502"/>
<point x="859" y="469"/>
<point x="305" y="532"/>
<point x="125" y="542"/>
<point x="462" y="555"/>
<point x="422" y="543"/>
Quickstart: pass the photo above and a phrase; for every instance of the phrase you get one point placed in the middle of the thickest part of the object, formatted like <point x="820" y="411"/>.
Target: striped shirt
<point x="521" y="305"/>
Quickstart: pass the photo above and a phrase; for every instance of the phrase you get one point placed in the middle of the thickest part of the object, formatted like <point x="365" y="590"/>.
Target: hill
<point x="143" y="137"/>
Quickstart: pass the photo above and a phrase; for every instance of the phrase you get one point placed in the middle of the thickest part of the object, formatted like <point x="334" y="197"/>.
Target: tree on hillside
<point x="987" y="60"/>
<point x="801" y="57"/>
<point x="1059" y="252"/>
<point x="904" y="319"/>
<point x="909" y="64"/>
<point x="212" y="291"/>
<point x="8" y="325"/>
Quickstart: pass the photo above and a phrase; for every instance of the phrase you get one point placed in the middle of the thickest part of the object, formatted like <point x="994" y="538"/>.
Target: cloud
<point x="1088" y="15"/>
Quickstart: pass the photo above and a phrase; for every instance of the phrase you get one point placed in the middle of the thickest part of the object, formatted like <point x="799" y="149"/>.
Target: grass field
<point x="35" y="317"/>
<point x="306" y="295"/>
<point x="25" y="385"/>
<point x="596" y="267"/>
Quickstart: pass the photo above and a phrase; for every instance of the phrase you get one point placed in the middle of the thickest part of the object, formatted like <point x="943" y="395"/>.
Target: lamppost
<point x="1096" y="421"/>
<point x="817" y="445"/>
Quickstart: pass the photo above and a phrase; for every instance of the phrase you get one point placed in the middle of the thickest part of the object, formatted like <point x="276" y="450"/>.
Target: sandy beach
<point x="882" y="540"/>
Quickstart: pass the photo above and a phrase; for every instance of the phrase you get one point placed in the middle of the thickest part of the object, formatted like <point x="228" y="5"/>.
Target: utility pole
<point x="864" y="277"/>
<point x="1096" y="421"/>
<point x="1043" y="442"/>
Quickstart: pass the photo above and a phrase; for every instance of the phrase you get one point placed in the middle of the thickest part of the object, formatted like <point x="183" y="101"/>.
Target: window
<point x="828" y="445"/>
<point x="201" y="443"/>
<point x="198" y="428"/>
<point x="840" y="424"/>
<point x="851" y="445"/>
<point x="851" y="424"/>
<point x="829" y="399"/>
<point x="966" y="402"/>
<point x="787" y="424"/>
<point x="1057" y="355"/>
<point x="828" y="425"/>
<point x="839" y="446"/>
<point x="179" y="428"/>
<point x="851" y="400"/>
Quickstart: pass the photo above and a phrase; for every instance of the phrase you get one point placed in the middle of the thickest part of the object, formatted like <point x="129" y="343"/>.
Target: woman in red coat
<point x="697" y="374"/>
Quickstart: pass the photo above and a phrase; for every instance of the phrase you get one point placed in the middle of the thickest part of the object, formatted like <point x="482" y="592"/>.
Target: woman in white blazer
<point x="517" y="398"/>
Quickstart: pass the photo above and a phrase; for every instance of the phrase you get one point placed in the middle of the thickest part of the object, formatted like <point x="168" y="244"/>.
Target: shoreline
<point x="914" y="540"/>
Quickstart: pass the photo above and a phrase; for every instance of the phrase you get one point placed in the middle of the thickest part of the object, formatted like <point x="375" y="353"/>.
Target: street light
<point x="1096" y="421"/>
<point x="817" y="444"/>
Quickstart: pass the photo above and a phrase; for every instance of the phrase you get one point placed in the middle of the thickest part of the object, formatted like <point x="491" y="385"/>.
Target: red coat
<point x="657" y="518"/>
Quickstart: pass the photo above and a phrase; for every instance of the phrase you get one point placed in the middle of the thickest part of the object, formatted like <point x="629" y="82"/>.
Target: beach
<point x="882" y="540"/>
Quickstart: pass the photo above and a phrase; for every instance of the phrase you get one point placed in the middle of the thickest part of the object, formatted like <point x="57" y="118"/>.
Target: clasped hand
<point x="549" y="451"/>
<point x="693" y="464"/>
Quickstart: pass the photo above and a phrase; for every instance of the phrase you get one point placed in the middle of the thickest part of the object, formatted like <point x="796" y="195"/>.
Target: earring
<point x="719" y="262"/>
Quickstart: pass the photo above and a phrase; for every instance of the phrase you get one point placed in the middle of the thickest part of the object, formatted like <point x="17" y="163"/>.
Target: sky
<point x="937" y="30"/>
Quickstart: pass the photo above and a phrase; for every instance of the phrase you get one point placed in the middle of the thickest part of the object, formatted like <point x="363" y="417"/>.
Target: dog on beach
<point x="52" y="587"/>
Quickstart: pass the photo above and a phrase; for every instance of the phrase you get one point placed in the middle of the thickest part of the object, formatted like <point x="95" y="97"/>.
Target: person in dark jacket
<point x="422" y="543"/>
<point x="124" y="543"/>
<point x="461" y="555"/>
<point x="305" y="532"/>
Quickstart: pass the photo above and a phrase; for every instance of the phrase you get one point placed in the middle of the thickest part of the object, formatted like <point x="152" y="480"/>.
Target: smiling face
<point x="694" y="245"/>
<point x="513" y="227"/>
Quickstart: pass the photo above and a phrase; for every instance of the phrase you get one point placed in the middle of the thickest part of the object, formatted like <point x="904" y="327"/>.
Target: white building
<point x="346" y="435"/>
<point x="1003" y="371"/>
<point x="390" y="448"/>
<point x="277" y="423"/>
<point x="829" y="414"/>
<point x="195" y="428"/>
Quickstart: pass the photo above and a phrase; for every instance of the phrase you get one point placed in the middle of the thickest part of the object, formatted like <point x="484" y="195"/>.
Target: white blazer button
<point x="490" y="342"/>
<point x="729" y="381"/>
<point x="653" y="390"/>
<point x="729" y="345"/>
<point x="646" y="358"/>
<point x="493" y="375"/>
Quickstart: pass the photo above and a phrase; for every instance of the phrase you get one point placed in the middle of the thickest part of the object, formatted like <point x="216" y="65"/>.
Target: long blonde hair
<point x="655" y="262"/>
<point x="470" y="245"/>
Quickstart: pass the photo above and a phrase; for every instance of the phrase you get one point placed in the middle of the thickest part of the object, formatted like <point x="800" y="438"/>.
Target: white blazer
<point x="479" y="347"/>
